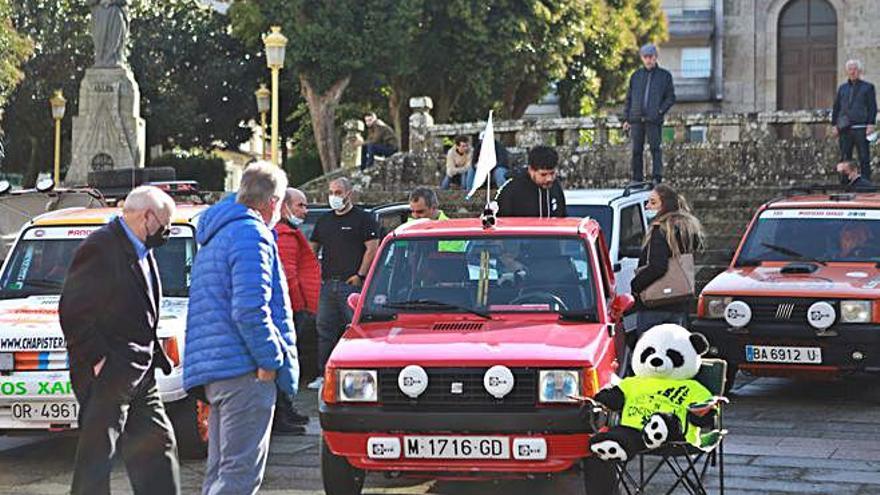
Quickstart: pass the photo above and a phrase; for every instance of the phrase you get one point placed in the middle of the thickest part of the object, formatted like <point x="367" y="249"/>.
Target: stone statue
<point x="110" y="31"/>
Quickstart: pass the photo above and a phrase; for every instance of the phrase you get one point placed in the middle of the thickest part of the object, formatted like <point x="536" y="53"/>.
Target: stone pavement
<point x="786" y="437"/>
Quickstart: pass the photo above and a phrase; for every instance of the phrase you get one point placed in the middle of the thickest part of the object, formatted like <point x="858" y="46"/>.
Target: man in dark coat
<point x="650" y="95"/>
<point x="536" y="193"/>
<point x="854" y="115"/>
<point x="109" y="311"/>
<point x="851" y="178"/>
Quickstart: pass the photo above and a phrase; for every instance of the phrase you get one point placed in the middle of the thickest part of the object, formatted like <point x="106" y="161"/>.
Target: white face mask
<point x="336" y="202"/>
<point x="651" y="214"/>
<point x="295" y="220"/>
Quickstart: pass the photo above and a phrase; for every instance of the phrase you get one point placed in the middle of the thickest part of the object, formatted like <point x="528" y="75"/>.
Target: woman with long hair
<point x="673" y="231"/>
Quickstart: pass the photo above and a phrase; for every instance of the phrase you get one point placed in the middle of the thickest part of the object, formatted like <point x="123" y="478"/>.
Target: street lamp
<point x="264" y="103"/>
<point x="275" y="43"/>
<point x="58" y="103"/>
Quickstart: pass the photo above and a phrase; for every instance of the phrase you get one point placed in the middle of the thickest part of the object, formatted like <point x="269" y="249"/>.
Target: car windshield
<point x="39" y="262"/>
<point x="599" y="213"/>
<point x="479" y="275"/>
<point x="819" y="235"/>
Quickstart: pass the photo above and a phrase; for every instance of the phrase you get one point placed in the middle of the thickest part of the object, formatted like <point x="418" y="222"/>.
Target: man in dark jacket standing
<point x="650" y="95"/>
<point x="854" y="115"/>
<point x="109" y="311"/>
<point x="537" y="193"/>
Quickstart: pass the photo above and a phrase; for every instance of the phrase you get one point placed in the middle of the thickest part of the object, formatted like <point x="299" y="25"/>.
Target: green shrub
<point x="303" y="165"/>
<point x="209" y="171"/>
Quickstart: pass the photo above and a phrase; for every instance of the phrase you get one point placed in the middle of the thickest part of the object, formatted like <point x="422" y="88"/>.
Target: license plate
<point x="56" y="412"/>
<point x="783" y="354"/>
<point x="456" y="447"/>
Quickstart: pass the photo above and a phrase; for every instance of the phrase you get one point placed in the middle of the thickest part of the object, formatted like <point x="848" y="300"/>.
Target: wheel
<point x="190" y="420"/>
<point x="600" y="478"/>
<point x="339" y="477"/>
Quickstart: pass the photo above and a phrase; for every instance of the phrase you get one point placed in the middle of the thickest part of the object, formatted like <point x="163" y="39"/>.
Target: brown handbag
<point x="675" y="286"/>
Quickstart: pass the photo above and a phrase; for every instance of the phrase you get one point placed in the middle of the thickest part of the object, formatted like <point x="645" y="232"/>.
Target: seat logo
<point x="784" y="311"/>
<point x="456" y="388"/>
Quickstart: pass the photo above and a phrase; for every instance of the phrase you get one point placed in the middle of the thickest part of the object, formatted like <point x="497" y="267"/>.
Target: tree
<point x="196" y="80"/>
<point x="14" y="50"/>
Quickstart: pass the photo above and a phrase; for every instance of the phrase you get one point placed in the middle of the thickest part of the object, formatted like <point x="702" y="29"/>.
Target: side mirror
<point x="353" y="299"/>
<point x="620" y="305"/>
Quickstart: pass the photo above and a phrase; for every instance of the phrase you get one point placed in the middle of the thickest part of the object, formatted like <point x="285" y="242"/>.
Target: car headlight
<point x="558" y="385"/>
<point x="856" y="312"/>
<point x="715" y="306"/>
<point x="358" y="386"/>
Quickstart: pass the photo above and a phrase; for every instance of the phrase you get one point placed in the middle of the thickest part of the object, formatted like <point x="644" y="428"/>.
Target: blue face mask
<point x="651" y="215"/>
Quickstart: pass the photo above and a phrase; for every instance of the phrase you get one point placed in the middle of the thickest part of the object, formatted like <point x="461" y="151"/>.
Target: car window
<point x="390" y="220"/>
<point x="542" y="274"/>
<point x="599" y="213"/>
<point x="38" y="264"/>
<point x="849" y="235"/>
<point x="632" y="230"/>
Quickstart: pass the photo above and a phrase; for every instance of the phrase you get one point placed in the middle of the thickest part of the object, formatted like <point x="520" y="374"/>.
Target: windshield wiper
<point x="378" y="317"/>
<point x="791" y="253"/>
<point x="42" y="283"/>
<point x="436" y="305"/>
<point x="578" y="315"/>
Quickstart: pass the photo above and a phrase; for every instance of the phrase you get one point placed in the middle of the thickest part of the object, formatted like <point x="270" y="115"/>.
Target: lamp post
<point x="58" y="103"/>
<point x="264" y="103"/>
<point x="275" y="43"/>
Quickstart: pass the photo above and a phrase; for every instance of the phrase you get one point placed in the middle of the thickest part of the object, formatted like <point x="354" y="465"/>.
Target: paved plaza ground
<point x="786" y="437"/>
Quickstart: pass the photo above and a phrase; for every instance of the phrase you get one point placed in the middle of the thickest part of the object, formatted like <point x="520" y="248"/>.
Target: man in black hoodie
<point x="537" y="193"/>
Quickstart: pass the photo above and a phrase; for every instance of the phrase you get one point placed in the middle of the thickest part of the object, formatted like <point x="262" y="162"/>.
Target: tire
<point x="338" y="476"/>
<point x="190" y="420"/>
<point x="600" y="478"/>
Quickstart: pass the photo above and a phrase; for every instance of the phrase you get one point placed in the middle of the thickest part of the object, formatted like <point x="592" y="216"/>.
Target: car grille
<point x="781" y="310"/>
<point x="473" y="397"/>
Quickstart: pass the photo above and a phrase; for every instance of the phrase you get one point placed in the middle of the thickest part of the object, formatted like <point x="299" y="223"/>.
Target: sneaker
<point x="296" y="418"/>
<point x="316" y="384"/>
<point x="283" y="426"/>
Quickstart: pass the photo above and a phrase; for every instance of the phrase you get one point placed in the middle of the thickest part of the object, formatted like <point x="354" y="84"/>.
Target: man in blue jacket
<point x="650" y="95"/>
<point x="240" y="337"/>
<point x="854" y="116"/>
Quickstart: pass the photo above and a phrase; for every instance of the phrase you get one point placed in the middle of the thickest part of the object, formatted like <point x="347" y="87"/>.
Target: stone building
<point x="764" y="55"/>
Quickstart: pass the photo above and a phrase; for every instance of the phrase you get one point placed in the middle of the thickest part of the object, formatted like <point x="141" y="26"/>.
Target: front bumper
<point x="838" y="344"/>
<point x="566" y="431"/>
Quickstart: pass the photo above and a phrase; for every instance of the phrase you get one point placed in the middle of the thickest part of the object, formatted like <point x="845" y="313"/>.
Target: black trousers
<point x="638" y="132"/>
<point x="116" y="414"/>
<point x="856" y="138"/>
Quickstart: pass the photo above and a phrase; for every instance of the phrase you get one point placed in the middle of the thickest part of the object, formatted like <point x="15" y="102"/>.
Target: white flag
<point x="486" y="161"/>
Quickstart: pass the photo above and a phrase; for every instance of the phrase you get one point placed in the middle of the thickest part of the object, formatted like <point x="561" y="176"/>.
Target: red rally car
<point x="467" y="347"/>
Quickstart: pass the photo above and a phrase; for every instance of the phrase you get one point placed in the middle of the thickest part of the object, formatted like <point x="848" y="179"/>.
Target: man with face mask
<point x="109" y="311"/>
<point x="240" y="342"/>
<point x="348" y="239"/>
<point x="304" y="281"/>
<point x="851" y="177"/>
<point x="537" y="193"/>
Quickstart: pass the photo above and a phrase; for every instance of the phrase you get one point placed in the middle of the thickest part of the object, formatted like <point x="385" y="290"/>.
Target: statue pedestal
<point x="109" y="132"/>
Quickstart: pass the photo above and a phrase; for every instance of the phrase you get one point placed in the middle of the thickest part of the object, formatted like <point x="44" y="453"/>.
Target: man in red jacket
<point x="303" y="274"/>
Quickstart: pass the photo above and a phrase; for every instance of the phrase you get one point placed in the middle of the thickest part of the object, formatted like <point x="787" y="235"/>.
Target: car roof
<point x="503" y="226"/>
<point x="836" y="200"/>
<point x="598" y="196"/>
<point x="100" y="216"/>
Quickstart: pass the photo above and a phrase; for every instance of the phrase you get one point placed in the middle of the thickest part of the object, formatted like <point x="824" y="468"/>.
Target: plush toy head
<point x="669" y="351"/>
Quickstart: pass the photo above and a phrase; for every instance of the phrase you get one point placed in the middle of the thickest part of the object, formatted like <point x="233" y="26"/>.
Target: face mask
<point x="295" y="220"/>
<point x="336" y="202"/>
<point x="157" y="238"/>
<point x="844" y="179"/>
<point x="651" y="215"/>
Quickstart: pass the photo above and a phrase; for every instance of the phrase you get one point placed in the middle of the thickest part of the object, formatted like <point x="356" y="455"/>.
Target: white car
<point x="35" y="391"/>
<point x="621" y="214"/>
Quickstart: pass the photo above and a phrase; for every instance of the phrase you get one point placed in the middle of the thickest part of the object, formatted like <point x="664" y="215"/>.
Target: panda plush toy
<point x="654" y="404"/>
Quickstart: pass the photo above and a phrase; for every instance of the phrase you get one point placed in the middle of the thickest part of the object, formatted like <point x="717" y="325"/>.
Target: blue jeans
<point x="371" y="150"/>
<point x="333" y="316"/>
<point x="499" y="175"/>
<point x="448" y="181"/>
<point x="239" y="427"/>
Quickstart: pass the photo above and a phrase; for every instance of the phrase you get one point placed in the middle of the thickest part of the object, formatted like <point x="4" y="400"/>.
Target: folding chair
<point x="688" y="463"/>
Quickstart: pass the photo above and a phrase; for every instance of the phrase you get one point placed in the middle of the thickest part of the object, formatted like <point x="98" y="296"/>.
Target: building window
<point x="696" y="134"/>
<point x="696" y="62"/>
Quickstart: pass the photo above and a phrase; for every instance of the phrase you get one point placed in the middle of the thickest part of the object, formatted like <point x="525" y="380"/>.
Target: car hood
<point x="836" y="280"/>
<point x="512" y="343"/>
<point x="21" y="320"/>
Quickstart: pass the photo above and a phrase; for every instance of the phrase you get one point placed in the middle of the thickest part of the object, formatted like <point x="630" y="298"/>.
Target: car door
<point x="629" y="243"/>
<point x="390" y="217"/>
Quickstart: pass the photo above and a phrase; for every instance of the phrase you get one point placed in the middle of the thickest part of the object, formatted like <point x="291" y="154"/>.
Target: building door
<point x="807" y="57"/>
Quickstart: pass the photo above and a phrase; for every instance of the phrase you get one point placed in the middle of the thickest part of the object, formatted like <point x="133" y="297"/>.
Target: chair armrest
<point x="703" y="408"/>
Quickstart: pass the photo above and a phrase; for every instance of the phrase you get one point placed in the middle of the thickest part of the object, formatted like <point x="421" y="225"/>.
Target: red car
<point x="466" y="349"/>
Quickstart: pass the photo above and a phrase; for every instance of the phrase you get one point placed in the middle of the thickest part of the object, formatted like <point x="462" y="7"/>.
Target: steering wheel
<point x="540" y="296"/>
